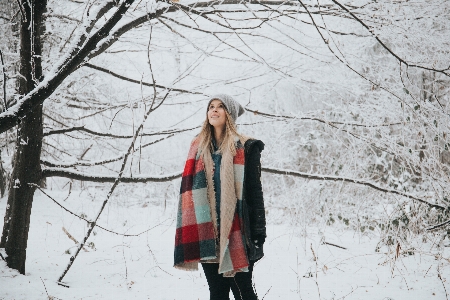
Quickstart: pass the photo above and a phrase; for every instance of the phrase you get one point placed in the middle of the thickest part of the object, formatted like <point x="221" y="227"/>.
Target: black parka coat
<point x="253" y="205"/>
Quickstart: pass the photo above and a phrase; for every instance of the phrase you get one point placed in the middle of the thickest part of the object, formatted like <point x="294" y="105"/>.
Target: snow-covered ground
<point x="117" y="267"/>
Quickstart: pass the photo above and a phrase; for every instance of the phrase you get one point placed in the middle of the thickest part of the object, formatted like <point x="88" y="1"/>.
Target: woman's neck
<point x="219" y="135"/>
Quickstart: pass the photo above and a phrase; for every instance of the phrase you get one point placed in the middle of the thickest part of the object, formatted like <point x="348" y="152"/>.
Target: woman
<point x="221" y="217"/>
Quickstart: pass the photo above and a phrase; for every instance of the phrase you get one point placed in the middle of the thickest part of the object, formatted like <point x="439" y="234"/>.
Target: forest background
<point x="100" y="100"/>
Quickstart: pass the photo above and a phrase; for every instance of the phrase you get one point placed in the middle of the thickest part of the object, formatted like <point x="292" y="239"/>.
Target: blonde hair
<point x="228" y="143"/>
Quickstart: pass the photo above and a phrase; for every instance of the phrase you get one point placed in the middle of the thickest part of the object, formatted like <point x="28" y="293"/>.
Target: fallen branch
<point x="334" y="245"/>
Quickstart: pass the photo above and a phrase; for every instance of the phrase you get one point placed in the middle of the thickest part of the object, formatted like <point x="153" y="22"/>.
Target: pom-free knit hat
<point x="233" y="107"/>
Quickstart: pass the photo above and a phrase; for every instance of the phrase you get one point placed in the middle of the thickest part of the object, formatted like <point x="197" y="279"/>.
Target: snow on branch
<point x="109" y="135"/>
<point x="438" y="225"/>
<point x="334" y="125"/>
<point x="136" y="81"/>
<point x="67" y="65"/>
<point x="401" y="60"/>
<point x="61" y="172"/>
<point x="58" y="172"/>
<point x="208" y="7"/>
<point x="102" y="162"/>
<point x="89" y="46"/>
<point x="319" y="120"/>
<point x="351" y="180"/>
<point x="4" y="82"/>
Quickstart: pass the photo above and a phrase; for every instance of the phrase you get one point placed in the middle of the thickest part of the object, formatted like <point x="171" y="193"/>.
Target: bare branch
<point x="320" y="120"/>
<point x="116" y="181"/>
<point x="38" y="95"/>
<point x="96" y="163"/>
<point x="72" y="238"/>
<point x="22" y="11"/>
<point x="109" y="135"/>
<point x="63" y="17"/>
<point x="137" y="81"/>
<point x="438" y="225"/>
<point x="100" y="178"/>
<point x="84" y="219"/>
<point x="60" y="172"/>
<point x="100" y="13"/>
<point x="351" y="180"/>
<point x="334" y="245"/>
<point x="401" y="60"/>
<point x="4" y="82"/>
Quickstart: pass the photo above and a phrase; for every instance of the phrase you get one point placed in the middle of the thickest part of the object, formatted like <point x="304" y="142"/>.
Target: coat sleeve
<point x="254" y="193"/>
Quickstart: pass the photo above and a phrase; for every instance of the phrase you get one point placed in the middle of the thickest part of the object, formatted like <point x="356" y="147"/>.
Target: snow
<point x="306" y="219"/>
<point x="16" y="183"/>
<point x="117" y="267"/>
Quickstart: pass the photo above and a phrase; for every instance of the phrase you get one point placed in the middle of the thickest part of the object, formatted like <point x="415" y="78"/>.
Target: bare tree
<point x="27" y="168"/>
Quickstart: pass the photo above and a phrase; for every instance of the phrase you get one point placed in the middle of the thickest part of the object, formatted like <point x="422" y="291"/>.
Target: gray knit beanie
<point x="233" y="107"/>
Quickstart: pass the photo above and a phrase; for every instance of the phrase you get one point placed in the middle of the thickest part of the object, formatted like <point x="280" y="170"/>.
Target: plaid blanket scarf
<point x="196" y="233"/>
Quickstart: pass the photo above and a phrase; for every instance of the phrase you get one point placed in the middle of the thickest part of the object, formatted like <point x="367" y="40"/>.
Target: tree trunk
<point x="27" y="168"/>
<point x="2" y="178"/>
<point x="9" y="38"/>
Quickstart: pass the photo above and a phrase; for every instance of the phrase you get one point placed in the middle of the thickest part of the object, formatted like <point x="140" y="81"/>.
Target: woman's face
<point x="216" y="114"/>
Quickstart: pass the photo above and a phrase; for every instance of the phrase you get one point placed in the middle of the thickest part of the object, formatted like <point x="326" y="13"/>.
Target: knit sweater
<point x="217" y="159"/>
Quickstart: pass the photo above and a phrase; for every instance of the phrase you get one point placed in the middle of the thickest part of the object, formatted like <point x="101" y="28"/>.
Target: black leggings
<point x="219" y="286"/>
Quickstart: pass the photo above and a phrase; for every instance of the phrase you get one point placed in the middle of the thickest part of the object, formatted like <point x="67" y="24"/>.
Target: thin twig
<point x="105" y="161"/>
<point x="4" y="82"/>
<point x="126" y="268"/>
<point x="438" y="225"/>
<point x="317" y="267"/>
<point x="401" y="60"/>
<point x="334" y="245"/>
<point x="256" y="112"/>
<point x="48" y="296"/>
<point x="89" y="222"/>
<point x="266" y="293"/>
<point x="72" y="238"/>
<point x="113" y="187"/>
<point x="442" y="281"/>
<point x="156" y="261"/>
<point x="21" y="11"/>
<point x="150" y="84"/>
